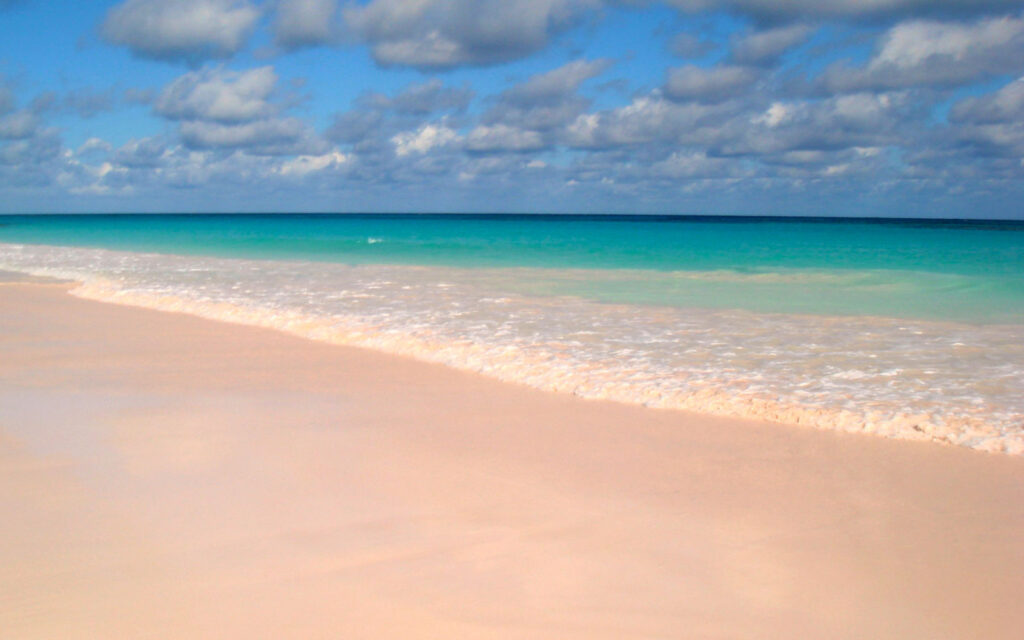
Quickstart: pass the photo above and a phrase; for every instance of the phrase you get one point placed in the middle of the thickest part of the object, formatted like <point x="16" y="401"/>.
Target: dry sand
<point x="163" y="476"/>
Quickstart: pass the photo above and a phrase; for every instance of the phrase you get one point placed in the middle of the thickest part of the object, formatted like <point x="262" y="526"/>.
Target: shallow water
<point x="644" y="336"/>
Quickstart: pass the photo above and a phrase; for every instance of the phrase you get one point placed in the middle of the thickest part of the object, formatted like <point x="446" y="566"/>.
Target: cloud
<point x="687" y="45"/>
<point x="842" y="122"/>
<point x="88" y="102"/>
<point x="552" y="86"/>
<point x="18" y="125"/>
<point x="32" y="157"/>
<point x="1004" y="105"/>
<point x="138" y="96"/>
<point x="278" y="136"/>
<point x="43" y="102"/>
<point x="189" y="31"/>
<point x="354" y="126"/>
<point x="219" y="95"/>
<point x="695" y="164"/>
<point x="301" y="166"/>
<point x="993" y="124"/>
<point x="440" y="34"/>
<point x="647" y="119"/>
<point x="7" y="101"/>
<point x="424" y="139"/>
<point x="546" y="100"/>
<point x="144" y="152"/>
<point x="423" y="99"/>
<point x="219" y="109"/>
<point x="930" y="53"/>
<point x="93" y="145"/>
<point x="709" y="84"/>
<point x="304" y="23"/>
<point x="766" y="46"/>
<point x="802" y="9"/>
<point x="502" y="137"/>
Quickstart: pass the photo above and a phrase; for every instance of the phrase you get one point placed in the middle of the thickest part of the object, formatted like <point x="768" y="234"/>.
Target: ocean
<point x="910" y="329"/>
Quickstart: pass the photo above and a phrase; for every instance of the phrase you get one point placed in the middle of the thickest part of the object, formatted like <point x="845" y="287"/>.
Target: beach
<point x="169" y="476"/>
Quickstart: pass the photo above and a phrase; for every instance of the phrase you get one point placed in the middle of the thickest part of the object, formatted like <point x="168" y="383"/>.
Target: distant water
<point x="906" y="328"/>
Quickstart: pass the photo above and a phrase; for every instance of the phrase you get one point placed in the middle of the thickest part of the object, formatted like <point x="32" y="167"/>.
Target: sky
<point x="911" y="108"/>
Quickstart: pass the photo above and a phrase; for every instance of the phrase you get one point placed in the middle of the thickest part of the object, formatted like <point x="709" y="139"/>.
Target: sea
<point x="903" y="328"/>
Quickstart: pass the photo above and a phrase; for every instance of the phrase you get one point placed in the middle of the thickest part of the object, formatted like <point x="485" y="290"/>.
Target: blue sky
<point x="778" y="107"/>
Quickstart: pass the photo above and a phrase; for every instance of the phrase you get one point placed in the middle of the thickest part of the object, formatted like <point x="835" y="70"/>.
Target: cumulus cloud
<point x="1004" y="105"/>
<point x="993" y="124"/>
<point x="764" y="47"/>
<point x="277" y="136"/>
<point x="423" y="98"/>
<point x="709" y="84"/>
<point x="301" y="166"/>
<point x="143" y="152"/>
<point x="6" y="100"/>
<point x="648" y="118"/>
<point x="695" y="164"/>
<point x="735" y="129"/>
<point x="354" y="126"/>
<point x="93" y="145"/>
<point x="219" y="95"/>
<point x="432" y="34"/>
<point x="232" y="110"/>
<point x="187" y="31"/>
<point x="304" y="23"/>
<point x="502" y="137"/>
<point x="687" y="45"/>
<point x="18" y="125"/>
<point x="427" y="137"/>
<point x="546" y="100"/>
<point x="931" y="53"/>
<point x="781" y="9"/>
<point x="88" y="102"/>
<point x="554" y="85"/>
<point x="842" y="122"/>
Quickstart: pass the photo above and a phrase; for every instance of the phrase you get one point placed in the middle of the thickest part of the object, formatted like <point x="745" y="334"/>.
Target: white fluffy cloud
<point x="181" y="30"/>
<point x="221" y="109"/>
<point x="300" y="166"/>
<point x="422" y="140"/>
<point x="219" y="95"/>
<point x="931" y="53"/>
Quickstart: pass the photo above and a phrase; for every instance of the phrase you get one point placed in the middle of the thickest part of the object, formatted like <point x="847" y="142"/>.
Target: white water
<point x="947" y="382"/>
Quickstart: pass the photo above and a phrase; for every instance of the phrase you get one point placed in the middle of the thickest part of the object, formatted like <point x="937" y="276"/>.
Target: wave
<point x="939" y="381"/>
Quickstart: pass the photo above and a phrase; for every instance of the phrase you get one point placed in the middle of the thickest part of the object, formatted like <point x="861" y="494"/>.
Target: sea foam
<point x="955" y="383"/>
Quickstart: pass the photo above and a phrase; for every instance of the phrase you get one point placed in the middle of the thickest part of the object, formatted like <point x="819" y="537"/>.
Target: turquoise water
<point x="907" y="329"/>
<point x="971" y="271"/>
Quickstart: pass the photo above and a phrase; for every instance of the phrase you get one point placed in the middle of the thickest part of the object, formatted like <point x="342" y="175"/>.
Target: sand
<point x="163" y="476"/>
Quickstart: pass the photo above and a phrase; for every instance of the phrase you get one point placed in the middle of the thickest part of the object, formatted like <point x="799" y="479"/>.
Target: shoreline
<point x="175" y="476"/>
<point x="821" y="397"/>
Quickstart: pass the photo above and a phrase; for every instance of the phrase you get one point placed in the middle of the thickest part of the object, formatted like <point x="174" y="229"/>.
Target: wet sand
<point x="165" y="476"/>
